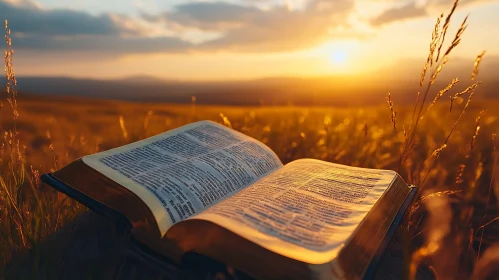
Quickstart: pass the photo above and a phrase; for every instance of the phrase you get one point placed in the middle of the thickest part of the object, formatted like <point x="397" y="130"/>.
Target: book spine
<point x="86" y="200"/>
<point x="371" y="269"/>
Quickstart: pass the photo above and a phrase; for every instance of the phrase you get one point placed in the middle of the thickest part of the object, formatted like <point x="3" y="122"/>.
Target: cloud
<point x="111" y="44"/>
<point x="239" y="27"/>
<point x="27" y="18"/>
<point x="411" y="10"/>
<point x="72" y="31"/>
<point x="247" y="28"/>
<point x="202" y="26"/>
<point x="207" y="15"/>
<point x="462" y="3"/>
<point x="408" y="11"/>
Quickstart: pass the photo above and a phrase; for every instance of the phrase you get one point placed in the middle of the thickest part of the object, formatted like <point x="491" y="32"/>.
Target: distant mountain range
<point x="402" y="80"/>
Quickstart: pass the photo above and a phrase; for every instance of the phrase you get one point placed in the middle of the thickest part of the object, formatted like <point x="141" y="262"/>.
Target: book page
<point x="182" y="172"/>
<point x="307" y="210"/>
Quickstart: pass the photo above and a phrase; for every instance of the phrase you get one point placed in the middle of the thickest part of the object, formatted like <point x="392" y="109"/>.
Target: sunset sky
<point x="234" y="39"/>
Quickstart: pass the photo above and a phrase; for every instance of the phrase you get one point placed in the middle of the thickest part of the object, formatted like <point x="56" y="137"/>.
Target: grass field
<point x="453" y="227"/>
<point x="56" y="131"/>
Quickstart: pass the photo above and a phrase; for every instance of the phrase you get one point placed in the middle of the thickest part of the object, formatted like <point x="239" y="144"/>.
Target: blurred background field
<point x="360" y="136"/>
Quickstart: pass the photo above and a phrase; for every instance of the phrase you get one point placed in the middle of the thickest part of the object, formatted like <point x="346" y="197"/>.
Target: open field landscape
<point x="440" y="133"/>
<point x="54" y="131"/>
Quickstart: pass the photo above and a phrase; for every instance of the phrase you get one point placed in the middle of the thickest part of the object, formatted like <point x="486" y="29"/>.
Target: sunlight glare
<point x="338" y="57"/>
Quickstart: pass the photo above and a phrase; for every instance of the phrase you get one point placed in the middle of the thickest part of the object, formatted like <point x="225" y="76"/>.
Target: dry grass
<point x="449" y="154"/>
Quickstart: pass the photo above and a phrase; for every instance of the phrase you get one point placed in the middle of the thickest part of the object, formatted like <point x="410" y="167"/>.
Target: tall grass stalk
<point x="28" y="210"/>
<point x="13" y="228"/>
<point x="436" y="247"/>
<point x="436" y="44"/>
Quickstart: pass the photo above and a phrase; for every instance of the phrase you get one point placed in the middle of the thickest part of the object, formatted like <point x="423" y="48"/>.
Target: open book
<point x="208" y="189"/>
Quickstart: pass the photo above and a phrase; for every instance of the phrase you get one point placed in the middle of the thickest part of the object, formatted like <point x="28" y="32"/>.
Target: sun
<point x="338" y="57"/>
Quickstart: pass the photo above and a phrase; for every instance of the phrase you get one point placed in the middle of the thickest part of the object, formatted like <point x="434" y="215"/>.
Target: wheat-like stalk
<point x="123" y="127"/>
<point x="478" y="59"/>
<point x="433" y="45"/>
<point x="225" y="120"/>
<point x="457" y="37"/>
<point x="437" y="39"/>
<point x="10" y="75"/>
<point x="13" y="179"/>
<point x="454" y="44"/>
<point x="437" y="152"/>
<point x="147" y="119"/>
<point x="475" y="131"/>
<point x="441" y="93"/>
<point x="393" y="115"/>
<point x="444" y="29"/>
<point x="469" y="89"/>
<point x="462" y="167"/>
<point x="447" y="138"/>
<point x="495" y="158"/>
<point x="423" y="198"/>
